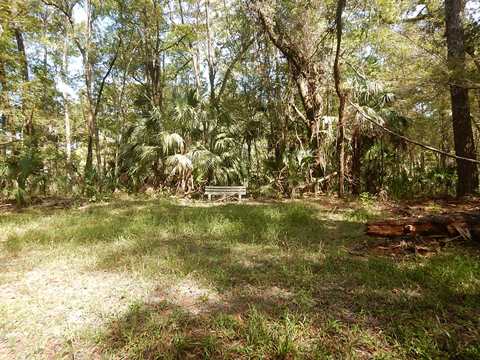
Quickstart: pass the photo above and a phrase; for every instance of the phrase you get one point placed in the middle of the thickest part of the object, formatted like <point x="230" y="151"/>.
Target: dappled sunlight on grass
<point x="230" y="281"/>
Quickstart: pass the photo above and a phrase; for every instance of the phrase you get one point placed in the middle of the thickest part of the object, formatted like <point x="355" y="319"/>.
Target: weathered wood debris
<point x="465" y="225"/>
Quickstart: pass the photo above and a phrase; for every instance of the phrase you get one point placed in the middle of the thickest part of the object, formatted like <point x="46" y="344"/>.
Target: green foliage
<point x="180" y="100"/>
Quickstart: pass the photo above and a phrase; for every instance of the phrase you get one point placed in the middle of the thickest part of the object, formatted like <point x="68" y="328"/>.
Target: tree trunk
<point x="476" y="61"/>
<point x="93" y="137"/>
<point x="356" y="160"/>
<point x="26" y="78"/>
<point x="210" y="53"/>
<point x="68" y="141"/>
<point x="89" y="159"/>
<point x="98" y="149"/>
<point x="444" y="142"/>
<point x="87" y="73"/>
<point x="462" y="123"/>
<point x="194" y="54"/>
<point x="307" y="74"/>
<point x="5" y="106"/>
<point x="23" y="55"/>
<point x="342" y="100"/>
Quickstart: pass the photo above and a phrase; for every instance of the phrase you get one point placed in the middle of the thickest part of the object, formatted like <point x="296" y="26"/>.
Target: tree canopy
<point x="287" y="97"/>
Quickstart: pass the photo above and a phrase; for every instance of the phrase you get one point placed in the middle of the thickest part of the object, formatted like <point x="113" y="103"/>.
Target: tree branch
<point x="237" y="58"/>
<point x="277" y="40"/>
<point x="422" y="145"/>
<point x="105" y="76"/>
<point x="299" y="113"/>
<point x="68" y="15"/>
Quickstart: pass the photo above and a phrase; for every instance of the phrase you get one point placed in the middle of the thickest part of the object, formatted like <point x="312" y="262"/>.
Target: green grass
<point x="161" y="279"/>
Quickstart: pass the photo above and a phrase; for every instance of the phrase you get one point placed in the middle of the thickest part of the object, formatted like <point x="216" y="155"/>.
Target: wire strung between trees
<point x="425" y="146"/>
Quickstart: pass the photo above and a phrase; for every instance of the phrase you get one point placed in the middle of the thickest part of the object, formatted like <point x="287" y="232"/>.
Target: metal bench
<point x="226" y="190"/>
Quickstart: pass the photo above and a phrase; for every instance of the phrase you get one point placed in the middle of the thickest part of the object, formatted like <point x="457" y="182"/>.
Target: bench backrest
<point x="241" y="190"/>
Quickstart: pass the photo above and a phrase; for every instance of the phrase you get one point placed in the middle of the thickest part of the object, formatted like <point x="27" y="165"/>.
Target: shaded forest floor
<point x="169" y="279"/>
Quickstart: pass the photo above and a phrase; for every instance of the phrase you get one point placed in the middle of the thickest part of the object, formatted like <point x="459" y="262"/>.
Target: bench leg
<point x="209" y="197"/>
<point x="239" y="197"/>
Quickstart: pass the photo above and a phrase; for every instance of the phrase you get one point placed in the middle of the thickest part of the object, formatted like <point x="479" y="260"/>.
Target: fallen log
<point x="466" y="225"/>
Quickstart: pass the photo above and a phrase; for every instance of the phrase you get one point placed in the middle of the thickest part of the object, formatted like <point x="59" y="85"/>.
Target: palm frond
<point x="178" y="164"/>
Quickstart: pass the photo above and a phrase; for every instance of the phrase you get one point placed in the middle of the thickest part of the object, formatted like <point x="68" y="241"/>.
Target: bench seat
<point x="225" y="190"/>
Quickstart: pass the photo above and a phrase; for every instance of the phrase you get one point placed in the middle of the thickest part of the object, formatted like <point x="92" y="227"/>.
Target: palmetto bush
<point x="153" y="156"/>
<point x="220" y="167"/>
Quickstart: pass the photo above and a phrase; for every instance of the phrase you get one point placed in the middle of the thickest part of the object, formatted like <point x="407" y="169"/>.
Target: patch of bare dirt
<point x="189" y="295"/>
<point x="50" y="304"/>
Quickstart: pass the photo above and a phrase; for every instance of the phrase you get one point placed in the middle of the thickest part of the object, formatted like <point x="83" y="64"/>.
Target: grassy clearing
<point x="161" y="279"/>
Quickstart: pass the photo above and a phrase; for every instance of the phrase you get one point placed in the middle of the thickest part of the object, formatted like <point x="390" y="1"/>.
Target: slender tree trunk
<point x="210" y="53"/>
<point x="4" y="106"/>
<point x="194" y="54"/>
<point x="3" y="81"/>
<point x="93" y="136"/>
<point x="93" y="140"/>
<point x="356" y="160"/>
<point x="66" y="105"/>
<point x="342" y="100"/>
<point x="23" y="55"/>
<point x="89" y="159"/>
<point x="121" y="121"/>
<point x="462" y="123"/>
<point x="28" y="113"/>
<point x="98" y="148"/>
<point x="196" y="70"/>
<point x="476" y="61"/>
<point x="443" y="143"/>
<point x="88" y="99"/>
